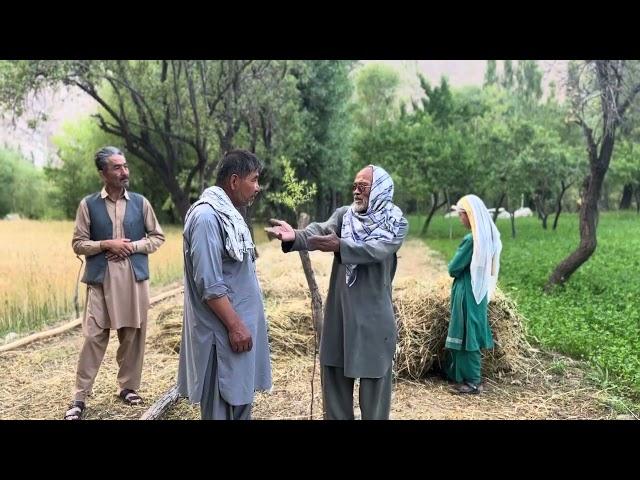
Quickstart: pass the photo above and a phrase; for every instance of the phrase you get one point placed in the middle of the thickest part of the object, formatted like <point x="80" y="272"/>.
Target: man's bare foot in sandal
<point x="130" y="397"/>
<point x="76" y="409"/>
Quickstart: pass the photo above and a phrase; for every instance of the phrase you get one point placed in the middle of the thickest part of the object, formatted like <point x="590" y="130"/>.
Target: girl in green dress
<point x="474" y="268"/>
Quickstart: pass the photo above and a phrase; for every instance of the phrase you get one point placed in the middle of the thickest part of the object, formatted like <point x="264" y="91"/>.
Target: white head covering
<point x="485" y="262"/>
<point x="238" y="239"/>
<point x="382" y="220"/>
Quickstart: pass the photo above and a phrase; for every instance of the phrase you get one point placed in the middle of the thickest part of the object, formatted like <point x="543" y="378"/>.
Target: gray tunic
<point x="211" y="273"/>
<point x="359" y="332"/>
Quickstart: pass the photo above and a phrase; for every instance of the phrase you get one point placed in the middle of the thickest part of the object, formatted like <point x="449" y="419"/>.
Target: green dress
<point x="469" y="329"/>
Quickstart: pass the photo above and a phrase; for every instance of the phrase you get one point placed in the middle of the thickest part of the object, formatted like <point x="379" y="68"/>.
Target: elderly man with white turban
<point x="474" y="268"/>
<point x="359" y="332"/>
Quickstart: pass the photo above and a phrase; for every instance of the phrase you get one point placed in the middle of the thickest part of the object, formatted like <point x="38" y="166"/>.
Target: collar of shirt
<point x="104" y="194"/>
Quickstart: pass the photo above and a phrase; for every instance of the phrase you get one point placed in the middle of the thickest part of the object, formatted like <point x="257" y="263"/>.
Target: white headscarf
<point x="485" y="262"/>
<point x="237" y="240"/>
<point x="382" y="220"/>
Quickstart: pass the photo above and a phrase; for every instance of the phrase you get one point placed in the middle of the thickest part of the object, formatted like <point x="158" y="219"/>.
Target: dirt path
<point x="36" y="380"/>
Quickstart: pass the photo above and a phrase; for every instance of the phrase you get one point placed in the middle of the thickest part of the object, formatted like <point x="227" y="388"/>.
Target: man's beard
<point x="359" y="207"/>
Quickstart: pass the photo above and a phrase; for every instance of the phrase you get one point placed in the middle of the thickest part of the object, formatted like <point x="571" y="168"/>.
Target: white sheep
<point x="523" y="212"/>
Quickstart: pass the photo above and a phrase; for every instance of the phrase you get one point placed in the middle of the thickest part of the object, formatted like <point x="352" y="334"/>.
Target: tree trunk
<point x="178" y="196"/>
<point x="182" y="205"/>
<point x="497" y="212"/>
<point x="588" y="215"/>
<point x="316" y="298"/>
<point x="434" y="206"/>
<point x="637" y="194"/>
<point x="512" y="217"/>
<point x="610" y="79"/>
<point x="513" y="225"/>
<point x="319" y="207"/>
<point x="627" y="197"/>
<point x="541" y="213"/>
<point x="559" y="204"/>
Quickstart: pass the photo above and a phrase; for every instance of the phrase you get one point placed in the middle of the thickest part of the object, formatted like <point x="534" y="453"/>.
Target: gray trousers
<point x="337" y="395"/>
<point x="212" y="405"/>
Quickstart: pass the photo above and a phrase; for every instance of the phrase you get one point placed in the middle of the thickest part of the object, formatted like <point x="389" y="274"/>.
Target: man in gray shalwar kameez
<point x="224" y="355"/>
<point x="359" y="331"/>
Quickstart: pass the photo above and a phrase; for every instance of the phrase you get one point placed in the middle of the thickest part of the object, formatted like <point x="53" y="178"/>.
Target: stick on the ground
<point x="162" y="405"/>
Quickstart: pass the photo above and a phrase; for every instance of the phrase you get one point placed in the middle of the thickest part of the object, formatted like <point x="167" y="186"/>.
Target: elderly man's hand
<point x="324" y="243"/>
<point x="280" y="230"/>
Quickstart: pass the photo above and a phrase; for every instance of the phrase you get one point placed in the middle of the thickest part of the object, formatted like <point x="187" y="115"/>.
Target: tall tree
<point x="178" y="116"/>
<point x="325" y="93"/>
<point x="376" y="95"/>
<point x="507" y="75"/>
<point x="490" y="74"/>
<point x="529" y="81"/>
<point x="602" y="91"/>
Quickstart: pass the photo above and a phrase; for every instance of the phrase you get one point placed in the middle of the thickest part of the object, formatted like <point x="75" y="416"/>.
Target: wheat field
<point x="39" y="272"/>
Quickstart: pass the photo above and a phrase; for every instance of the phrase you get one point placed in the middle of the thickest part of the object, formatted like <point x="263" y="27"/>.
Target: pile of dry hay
<point x="422" y="311"/>
<point x="290" y="328"/>
<point x="169" y="332"/>
<point x="423" y="317"/>
<point x="423" y="321"/>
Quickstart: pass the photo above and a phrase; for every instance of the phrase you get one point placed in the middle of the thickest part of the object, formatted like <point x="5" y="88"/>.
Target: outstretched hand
<point x="280" y="230"/>
<point x="324" y="243"/>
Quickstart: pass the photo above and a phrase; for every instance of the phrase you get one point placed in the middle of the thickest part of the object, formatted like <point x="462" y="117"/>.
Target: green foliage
<point x="438" y="102"/>
<point x="376" y="95"/>
<point x="24" y="187"/>
<point x="490" y="74"/>
<point x="177" y="116"/>
<point x="296" y="192"/>
<point x="326" y="126"/>
<point x="77" y="177"/>
<point x="625" y="168"/>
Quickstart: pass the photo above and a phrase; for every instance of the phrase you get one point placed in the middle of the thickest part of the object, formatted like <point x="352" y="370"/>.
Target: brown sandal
<point x="130" y="397"/>
<point x="76" y="409"/>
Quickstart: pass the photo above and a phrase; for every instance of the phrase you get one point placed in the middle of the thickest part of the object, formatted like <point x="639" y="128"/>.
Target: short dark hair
<point x="102" y="156"/>
<point x="238" y="162"/>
